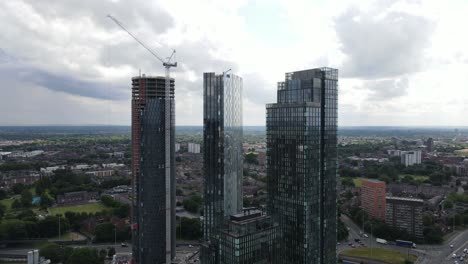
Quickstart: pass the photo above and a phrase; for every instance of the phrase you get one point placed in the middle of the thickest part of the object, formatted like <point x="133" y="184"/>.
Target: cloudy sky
<point x="400" y="62"/>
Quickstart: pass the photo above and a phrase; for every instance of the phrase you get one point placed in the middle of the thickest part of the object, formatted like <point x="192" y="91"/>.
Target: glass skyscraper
<point x="302" y="166"/>
<point x="223" y="156"/>
<point x="149" y="210"/>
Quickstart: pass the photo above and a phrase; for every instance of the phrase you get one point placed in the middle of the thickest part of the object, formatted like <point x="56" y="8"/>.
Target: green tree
<point x="122" y="211"/>
<point x="17" y="188"/>
<point x="84" y="255"/>
<point x="448" y="204"/>
<point x="48" y="227"/>
<point x="26" y="198"/>
<point x="2" y="210"/>
<point x="46" y="199"/>
<point x="104" y="232"/>
<point x="16" y="204"/>
<point x="346" y="181"/>
<point x="251" y="158"/>
<point x="193" y="203"/>
<point x="111" y="252"/>
<point x="342" y="231"/>
<point x="13" y="229"/>
<point x="56" y="253"/>
<point x="107" y="200"/>
<point x="3" y="194"/>
<point x="102" y="255"/>
<point x="191" y="228"/>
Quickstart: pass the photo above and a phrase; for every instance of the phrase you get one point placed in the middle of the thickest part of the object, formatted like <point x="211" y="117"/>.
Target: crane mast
<point x="168" y="63"/>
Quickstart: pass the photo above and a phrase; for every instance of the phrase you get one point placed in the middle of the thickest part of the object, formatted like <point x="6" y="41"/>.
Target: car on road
<point x="365" y="235"/>
<point x="357" y="240"/>
<point x="353" y="246"/>
<point x="350" y="244"/>
<point x="451" y="246"/>
<point x="124" y="245"/>
<point x="465" y="250"/>
<point x="190" y="246"/>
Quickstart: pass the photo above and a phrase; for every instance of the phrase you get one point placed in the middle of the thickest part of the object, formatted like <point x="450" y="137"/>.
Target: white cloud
<point x="401" y="62"/>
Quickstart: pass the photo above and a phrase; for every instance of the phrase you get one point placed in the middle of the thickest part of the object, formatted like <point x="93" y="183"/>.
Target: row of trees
<point x="69" y="255"/>
<point x="391" y="171"/>
<point x="29" y="227"/>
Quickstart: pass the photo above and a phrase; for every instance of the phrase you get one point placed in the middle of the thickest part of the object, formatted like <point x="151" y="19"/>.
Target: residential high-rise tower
<point x="223" y="156"/>
<point x="150" y="229"/>
<point x="302" y="165"/>
<point x="373" y="193"/>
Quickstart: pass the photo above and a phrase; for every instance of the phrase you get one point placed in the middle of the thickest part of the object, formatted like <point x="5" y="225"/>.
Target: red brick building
<point x="373" y="193"/>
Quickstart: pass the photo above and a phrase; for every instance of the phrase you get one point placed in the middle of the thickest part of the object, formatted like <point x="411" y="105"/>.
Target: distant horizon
<point x="345" y="126"/>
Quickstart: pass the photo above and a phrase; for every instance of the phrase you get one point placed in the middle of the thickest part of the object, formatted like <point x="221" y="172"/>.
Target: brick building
<point x="373" y="194"/>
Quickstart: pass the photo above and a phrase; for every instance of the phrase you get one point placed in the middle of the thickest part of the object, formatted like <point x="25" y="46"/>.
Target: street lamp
<point x="59" y="227"/>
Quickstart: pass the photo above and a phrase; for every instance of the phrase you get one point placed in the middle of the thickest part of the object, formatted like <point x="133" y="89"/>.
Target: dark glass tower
<point x="302" y="164"/>
<point x="149" y="210"/>
<point x="223" y="156"/>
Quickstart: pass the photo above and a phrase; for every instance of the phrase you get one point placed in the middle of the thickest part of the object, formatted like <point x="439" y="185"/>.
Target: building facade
<point x="193" y="148"/>
<point x="302" y="166"/>
<point x="76" y="197"/>
<point x="153" y="210"/>
<point x="373" y="193"/>
<point x="223" y="157"/>
<point x="410" y="158"/>
<point x="406" y="214"/>
<point x="248" y="237"/>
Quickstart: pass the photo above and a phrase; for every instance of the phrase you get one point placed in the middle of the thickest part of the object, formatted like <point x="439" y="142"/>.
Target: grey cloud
<point x="62" y="82"/>
<point x="387" y="89"/>
<point x="384" y="45"/>
<point x="130" y="12"/>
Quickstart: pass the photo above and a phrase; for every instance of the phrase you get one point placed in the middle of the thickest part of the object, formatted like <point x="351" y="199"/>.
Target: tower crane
<point x="168" y="64"/>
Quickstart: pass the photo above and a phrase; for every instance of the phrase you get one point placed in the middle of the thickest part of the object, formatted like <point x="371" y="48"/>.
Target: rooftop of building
<point x="144" y="76"/>
<point x="373" y="181"/>
<point x="247" y="215"/>
<point x="404" y="199"/>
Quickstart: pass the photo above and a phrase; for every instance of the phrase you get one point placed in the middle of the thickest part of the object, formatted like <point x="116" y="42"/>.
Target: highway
<point x="427" y="254"/>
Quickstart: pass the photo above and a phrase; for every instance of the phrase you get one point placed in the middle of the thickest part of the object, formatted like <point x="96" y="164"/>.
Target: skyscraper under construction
<point x="153" y="209"/>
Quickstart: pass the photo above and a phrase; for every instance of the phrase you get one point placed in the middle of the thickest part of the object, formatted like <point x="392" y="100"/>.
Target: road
<point x="427" y="254"/>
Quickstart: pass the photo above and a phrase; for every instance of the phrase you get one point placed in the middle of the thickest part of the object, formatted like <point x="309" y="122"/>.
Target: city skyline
<point x="70" y="57"/>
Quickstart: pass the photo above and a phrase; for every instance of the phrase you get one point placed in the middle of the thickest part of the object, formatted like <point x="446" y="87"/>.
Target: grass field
<point x="381" y="254"/>
<point x="88" y="208"/>
<point x="462" y="152"/>
<point x="358" y="181"/>
<point x="418" y="178"/>
<point x="69" y="236"/>
<point x="7" y="202"/>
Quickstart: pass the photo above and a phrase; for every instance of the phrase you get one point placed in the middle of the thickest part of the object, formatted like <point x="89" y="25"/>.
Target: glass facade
<point x="149" y="181"/>
<point x="248" y="238"/>
<point x="302" y="164"/>
<point x="222" y="152"/>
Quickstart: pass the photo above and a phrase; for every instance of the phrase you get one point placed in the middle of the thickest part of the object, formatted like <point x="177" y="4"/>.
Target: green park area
<point x="84" y="208"/>
<point x="7" y="203"/>
<point x="379" y="254"/>
<point x="358" y="181"/>
<point x="413" y="178"/>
